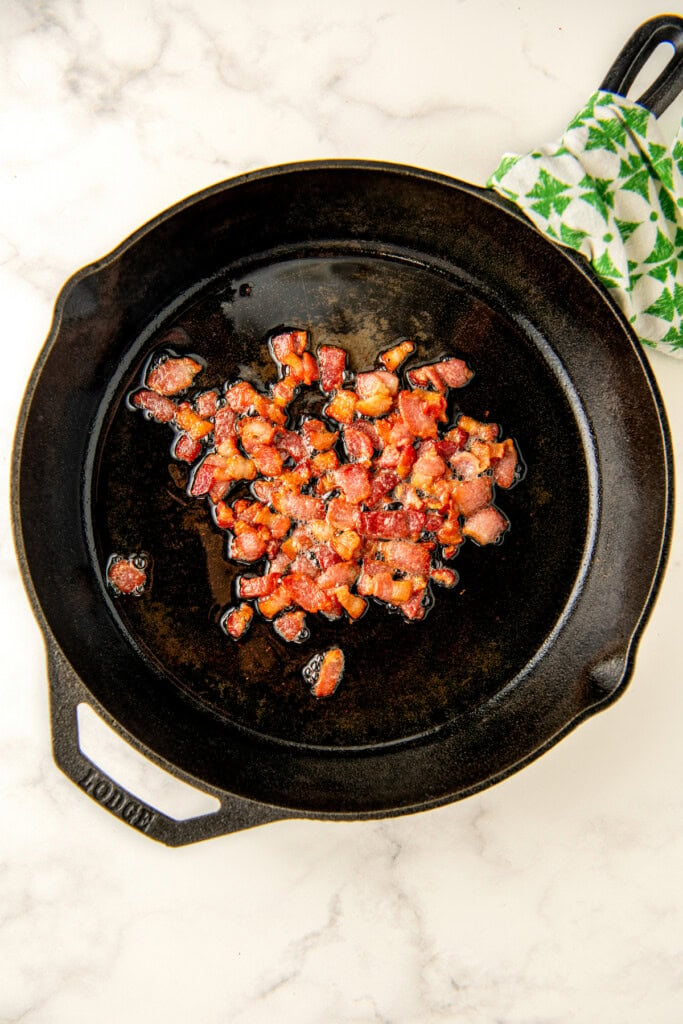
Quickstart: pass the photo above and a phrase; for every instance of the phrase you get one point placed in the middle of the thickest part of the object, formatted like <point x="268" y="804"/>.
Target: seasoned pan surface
<point x="541" y="629"/>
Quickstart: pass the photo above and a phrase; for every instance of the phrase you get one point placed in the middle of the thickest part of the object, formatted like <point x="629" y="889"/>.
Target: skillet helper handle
<point x="665" y="28"/>
<point x="611" y="189"/>
<point x="66" y="693"/>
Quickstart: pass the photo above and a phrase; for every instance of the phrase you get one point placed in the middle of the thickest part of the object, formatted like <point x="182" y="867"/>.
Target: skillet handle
<point x="66" y="693"/>
<point x="665" y="28"/>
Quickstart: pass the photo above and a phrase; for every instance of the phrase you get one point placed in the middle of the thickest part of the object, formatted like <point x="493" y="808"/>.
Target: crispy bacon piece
<point x="125" y="577"/>
<point x="358" y="444"/>
<point x="486" y="526"/>
<point x="408" y="556"/>
<point x="342" y="408"/>
<point x="236" y="621"/>
<point x="329" y="673"/>
<point x="174" y="374"/>
<point x="505" y="468"/>
<point x="248" y="546"/>
<point x="393" y="357"/>
<point x="188" y="421"/>
<point x="289" y="343"/>
<point x="291" y="626"/>
<point x="383" y="483"/>
<point x="267" y="460"/>
<point x="340" y="574"/>
<point x="444" y="577"/>
<point x="332" y="361"/>
<point x="347" y="544"/>
<point x="186" y="449"/>
<point x="455" y="373"/>
<point x="396" y="524"/>
<point x="341" y="515"/>
<point x="253" y="431"/>
<point x="306" y="593"/>
<point x="354" y="482"/>
<point x="471" y="495"/>
<point x="299" y="506"/>
<point x="426" y="376"/>
<point x="157" y="406"/>
<point x="353" y="604"/>
<point x="317" y="436"/>
<point x="418" y="413"/>
<point x="206" y="404"/>
<point x="477" y="430"/>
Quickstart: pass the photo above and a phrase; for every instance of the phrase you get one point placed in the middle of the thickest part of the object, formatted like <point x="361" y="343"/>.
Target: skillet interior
<point x="361" y="254"/>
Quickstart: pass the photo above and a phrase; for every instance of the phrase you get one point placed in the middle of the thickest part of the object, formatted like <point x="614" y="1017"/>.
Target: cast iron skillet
<point x="541" y="631"/>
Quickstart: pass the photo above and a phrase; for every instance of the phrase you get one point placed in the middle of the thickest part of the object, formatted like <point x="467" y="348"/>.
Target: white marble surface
<point x="554" y="898"/>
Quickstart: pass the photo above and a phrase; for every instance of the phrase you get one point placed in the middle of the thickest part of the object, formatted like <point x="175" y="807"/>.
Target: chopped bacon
<point x="125" y="576"/>
<point x="206" y="404"/>
<point x="289" y="343"/>
<point x="354" y="482"/>
<point x="477" y="430"/>
<point x="408" y="556"/>
<point x="342" y="408"/>
<point x="334" y="528"/>
<point x="471" y="495"/>
<point x="172" y="375"/>
<point x="486" y="526"/>
<point x="332" y="361"/>
<point x="358" y="445"/>
<point x="236" y="621"/>
<point x="341" y="574"/>
<point x="393" y="524"/>
<point x="291" y="626"/>
<point x="504" y="469"/>
<point x="188" y="420"/>
<point x="248" y="546"/>
<point x="306" y="593"/>
<point x="329" y="674"/>
<point x="418" y="416"/>
<point x="393" y="357"/>
<point x="317" y="436"/>
<point x="186" y="448"/>
<point x="157" y="406"/>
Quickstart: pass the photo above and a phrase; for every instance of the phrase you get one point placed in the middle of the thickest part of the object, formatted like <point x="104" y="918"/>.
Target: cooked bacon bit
<point x="258" y="586"/>
<point x="324" y="555"/>
<point x="317" y="436"/>
<point x="393" y="524"/>
<point x="299" y="506"/>
<point x="332" y="362"/>
<point x="188" y="420"/>
<point x="289" y="343"/>
<point x="341" y="515"/>
<point x="383" y="483"/>
<point x="283" y="391"/>
<point x="455" y="373"/>
<point x="357" y="444"/>
<point x="236" y="621"/>
<point x="224" y="516"/>
<point x="408" y="556"/>
<point x="418" y="415"/>
<point x="310" y="368"/>
<point x="235" y="467"/>
<point x="477" y="430"/>
<point x="424" y="376"/>
<point x="414" y="607"/>
<point x="157" y="406"/>
<point x="505" y="468"/>
<point x="253" y="431"/>
<point x="449" y="534"/>
<point x="224" y="425"/>
<point x="393" y="357"/>
<point x="291" y="626"/>
<point x="267" y="460"/>
<point x="354" y="482"/>
<point x="186" y="449"/>
<point x="174" y="374"/>
<point x="369" y="384"/>
<point x="352" y="604"/>
<point x="465" y="465"/>
<point x="205" y="474"/>
<point x="328" y="674"/>
<point x="485" y="526"/>
<point x="444" y="577"/>
<point x="471" y="495"/>
<point x="325" y="462"/>
<point x="347" y="544"/>
<point x="206" y="404"/>
<point x="306" y="593"/>
<point x="429" y="465"/>
<point x="340" y="574"/>
<point x="248" y="546"/>
<point x="127" y="575"/>
<point x="342" y="408"/>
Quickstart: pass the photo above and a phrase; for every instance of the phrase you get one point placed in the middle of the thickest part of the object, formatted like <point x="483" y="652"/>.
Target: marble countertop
<point x="552" y="898"/>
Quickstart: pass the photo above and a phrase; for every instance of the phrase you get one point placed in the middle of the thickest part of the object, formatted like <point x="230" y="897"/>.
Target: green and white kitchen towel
<point x="612" y="189"/>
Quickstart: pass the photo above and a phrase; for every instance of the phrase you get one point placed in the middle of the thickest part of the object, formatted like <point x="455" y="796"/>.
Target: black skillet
<point x="541" y="631"/>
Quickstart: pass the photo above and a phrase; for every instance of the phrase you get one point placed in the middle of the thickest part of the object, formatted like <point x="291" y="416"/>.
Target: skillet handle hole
<point x="136" y="773"/>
